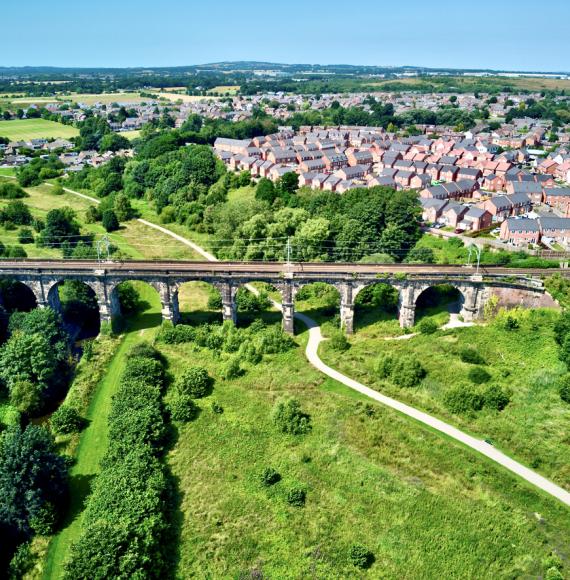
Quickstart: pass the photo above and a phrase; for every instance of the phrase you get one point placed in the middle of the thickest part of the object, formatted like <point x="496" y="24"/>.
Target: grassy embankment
<point x="93" y="440"/>
<point x="425" y="506"/>
<point x="134" y="240"/>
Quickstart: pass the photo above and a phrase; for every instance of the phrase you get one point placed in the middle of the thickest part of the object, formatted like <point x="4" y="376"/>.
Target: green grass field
<point x="133" y="239"/>
<point x="103" y="98"/>
<point x="534" y="426"/>
<point x="25" y="129"/>
<point x="425" y="506"/>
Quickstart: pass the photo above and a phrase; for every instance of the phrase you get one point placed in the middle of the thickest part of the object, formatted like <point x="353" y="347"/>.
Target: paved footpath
<point x="316" y="337"/>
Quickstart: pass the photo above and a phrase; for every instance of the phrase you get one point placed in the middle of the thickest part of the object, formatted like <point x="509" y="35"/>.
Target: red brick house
<point x="520" y="232"/>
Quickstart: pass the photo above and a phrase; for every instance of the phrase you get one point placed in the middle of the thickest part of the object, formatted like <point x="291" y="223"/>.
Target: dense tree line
<point x="125" y="520"/>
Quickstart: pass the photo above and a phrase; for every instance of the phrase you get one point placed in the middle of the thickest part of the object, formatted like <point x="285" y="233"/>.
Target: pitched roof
<point x="522" y="225"/>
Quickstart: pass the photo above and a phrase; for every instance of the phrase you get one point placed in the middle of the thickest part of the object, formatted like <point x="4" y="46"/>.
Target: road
<point x="315" y="339"/>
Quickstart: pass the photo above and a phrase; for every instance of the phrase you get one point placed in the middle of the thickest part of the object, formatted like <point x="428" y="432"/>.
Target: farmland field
<point x="104" y="98"/>
<point x="24" y="129"/>
<point x="232" y="89"/>
<point x="184" y="98"/>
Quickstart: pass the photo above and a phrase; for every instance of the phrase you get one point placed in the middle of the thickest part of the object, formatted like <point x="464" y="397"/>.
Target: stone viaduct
<point x="43" y="278"/>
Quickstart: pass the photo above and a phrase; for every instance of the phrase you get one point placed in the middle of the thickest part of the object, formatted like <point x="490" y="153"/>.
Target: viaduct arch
<point x="43" y="277"/>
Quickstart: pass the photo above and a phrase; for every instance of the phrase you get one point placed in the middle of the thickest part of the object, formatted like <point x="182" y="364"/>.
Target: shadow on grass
<point x="143" y="321"/>
<point x="79" y="490"/>
<point x="369" y="315"/>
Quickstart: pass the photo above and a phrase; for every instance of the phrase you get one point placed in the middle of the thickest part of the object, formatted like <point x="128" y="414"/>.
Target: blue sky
<point x="504" y="34"/>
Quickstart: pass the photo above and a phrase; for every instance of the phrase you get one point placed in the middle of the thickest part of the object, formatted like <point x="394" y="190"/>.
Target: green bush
<point x="495" y="397"/>
<point x="471" y="356"/>
<point x="564" y="388"/>
<point x="463" y="399"/>
<point x="407" y="372"/>
<point x="249" y="353"/>
<point x="478" y="375"/>
<point x="296" y="497"/>
<point x="360" y="556"/>
<point x="110" y="221"/>
<point x="194" y="382"/>
<point x="338" y="340"/>
<point x="9" y="190"/>
<point x="145" y="350"/>
<point x="178" y="334"/>
<point x="26" y="236"/>
<point x="273" y="340"/>
<point x="231" y="368"/>
<point x="216" y="408"/>
<point x="182" y="408"/>
<point x="289" y="418"/>
<point x="427" y="326"/>
<point x="66" y="420"/>
<point x="384" y="365"/>
<point x="146" y="370"/>
<point x="269" y="477"/>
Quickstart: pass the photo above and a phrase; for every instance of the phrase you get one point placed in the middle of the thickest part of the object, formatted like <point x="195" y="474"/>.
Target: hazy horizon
<point x="510" y="35"/>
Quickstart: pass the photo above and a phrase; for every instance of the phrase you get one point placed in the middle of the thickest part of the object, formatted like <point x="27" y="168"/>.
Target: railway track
<point x="158" y="267"/>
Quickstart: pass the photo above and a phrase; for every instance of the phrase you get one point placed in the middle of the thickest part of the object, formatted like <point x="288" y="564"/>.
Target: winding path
<point x="316" y="337"/>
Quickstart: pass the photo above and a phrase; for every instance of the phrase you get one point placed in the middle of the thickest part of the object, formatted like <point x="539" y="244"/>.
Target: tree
<point x="110" y="221"/>
<point x="265" y="191"/>
<point x="123" y="208"/>
<point x="113" y="142"/>
<point x="288" y="183"/>
<point x="16" y="212"/>
<point x="33" y="481"/>
<point x="61" y="226"/>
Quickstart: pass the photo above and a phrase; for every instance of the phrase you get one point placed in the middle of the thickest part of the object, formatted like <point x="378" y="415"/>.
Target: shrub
<point x="495" y="397"/>
<point x="360" y="556"/>
<point x="145" y="350"/>
<point x="182" y="408"/>
<point x="564" y="388"/>
<point x="384" y="366"/>
<point x="289" y="418"/>
<point x="231" y="368"/>
<point x="249" y="353"/>
<point x="26" y="396"/>
<point x="479" y="375"/>
<point x="427" y="326"/>
<point x="22" y="562"/>
<point x="269" y="476"/>
<point x="217" y="408"/>
<point x="66" y="420"/>
<point x="407" y="372"/>
<point x="26" y="236"/>
<point x="564" y="352"/>
<point x="296" y="497"/>
<point x="273" y="341"/>
<point x="110" y="221"/>
<point x="338" y="341"/>
<point x="195" y="382"/>
<point x="10" y="190"/>
<point x="178" y="334"/>
<point x="215" y="301"/>
<point x="562" y="327"/>
<point x="471" y="356"/>
<point x="463" y="399"/>
<point x="146" y="370"/>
